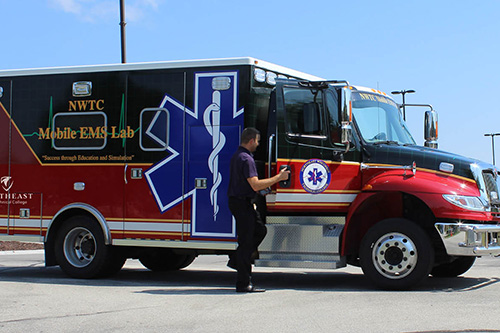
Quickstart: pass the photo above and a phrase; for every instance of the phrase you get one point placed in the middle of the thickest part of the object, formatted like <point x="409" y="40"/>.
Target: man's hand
<point x="260" y="184"/>
<point x="284" y="174"/>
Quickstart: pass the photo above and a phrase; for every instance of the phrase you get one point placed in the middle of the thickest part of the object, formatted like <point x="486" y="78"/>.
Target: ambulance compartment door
<point x="154" y="197"/>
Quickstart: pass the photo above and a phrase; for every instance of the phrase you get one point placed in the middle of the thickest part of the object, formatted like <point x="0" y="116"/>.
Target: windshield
<point x="378" y="119"/>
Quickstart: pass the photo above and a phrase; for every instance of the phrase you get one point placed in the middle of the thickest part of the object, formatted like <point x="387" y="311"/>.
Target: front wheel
<point x="396" y="254"/>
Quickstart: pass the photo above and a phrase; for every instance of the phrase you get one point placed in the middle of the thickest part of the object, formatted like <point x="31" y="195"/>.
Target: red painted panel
<point x="345" y="184"/>
<point x="422" y="182"/>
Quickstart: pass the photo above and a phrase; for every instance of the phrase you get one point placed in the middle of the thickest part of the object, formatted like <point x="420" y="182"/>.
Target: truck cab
<point x="362" y="192"/>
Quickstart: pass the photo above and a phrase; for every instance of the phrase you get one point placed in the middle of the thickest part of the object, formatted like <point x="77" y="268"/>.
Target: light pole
<point x="492" y="143"/>
<point x="403" y="92"/>
<point x="122" y="25"/>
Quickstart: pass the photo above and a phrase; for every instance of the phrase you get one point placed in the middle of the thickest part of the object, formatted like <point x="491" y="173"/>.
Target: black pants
<point x="251" y="232"/>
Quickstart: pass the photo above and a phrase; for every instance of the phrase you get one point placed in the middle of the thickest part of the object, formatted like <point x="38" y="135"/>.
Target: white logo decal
<point x="6" y="182"/>
<point x="211" y="119"/>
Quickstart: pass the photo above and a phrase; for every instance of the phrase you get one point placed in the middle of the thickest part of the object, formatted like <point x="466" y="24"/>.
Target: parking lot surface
<point x="201" y="298"/>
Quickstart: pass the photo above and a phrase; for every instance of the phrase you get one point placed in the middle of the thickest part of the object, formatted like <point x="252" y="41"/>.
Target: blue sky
<point x="448" y="51"/>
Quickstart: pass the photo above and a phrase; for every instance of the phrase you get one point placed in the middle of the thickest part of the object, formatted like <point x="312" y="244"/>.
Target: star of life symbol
<point x="211" y="130"/>
<point x="6" y="182"/>
<point x="315" y="176"/>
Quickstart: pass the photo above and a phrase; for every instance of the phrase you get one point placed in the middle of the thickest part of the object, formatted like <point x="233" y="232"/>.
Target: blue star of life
<point x="315" y="176"/>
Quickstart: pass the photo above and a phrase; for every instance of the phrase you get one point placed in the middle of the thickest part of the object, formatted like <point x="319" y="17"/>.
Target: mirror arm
<point x="430" y="125"/>
<point x="421" y="105"/>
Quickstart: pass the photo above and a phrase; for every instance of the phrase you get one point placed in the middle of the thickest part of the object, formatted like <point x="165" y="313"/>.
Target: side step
<point x="300" y="264"/>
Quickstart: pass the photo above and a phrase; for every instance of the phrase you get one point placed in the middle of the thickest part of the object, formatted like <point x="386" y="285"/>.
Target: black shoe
<point x="231" y="264"/>
<point x="250" y="289"/>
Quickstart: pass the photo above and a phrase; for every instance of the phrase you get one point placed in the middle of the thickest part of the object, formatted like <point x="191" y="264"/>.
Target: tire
<point x="396" y="254"/>
<point x="163" y="260"/>
<point x="80" y="250"/>
<point x="453" y="269"/>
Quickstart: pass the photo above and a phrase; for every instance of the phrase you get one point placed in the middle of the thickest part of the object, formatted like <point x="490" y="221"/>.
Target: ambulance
<point x="105" y="163"/>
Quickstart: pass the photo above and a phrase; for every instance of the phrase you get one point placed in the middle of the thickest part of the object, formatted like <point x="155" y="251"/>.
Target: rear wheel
<point x="162" y="260"/>
<point x="396" y="254"/>
<point x="81" y="252"/>
<point x="455" y="268"/>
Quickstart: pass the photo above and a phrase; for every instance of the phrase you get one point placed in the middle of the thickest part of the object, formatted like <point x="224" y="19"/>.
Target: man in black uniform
<point x="243" y="183"/>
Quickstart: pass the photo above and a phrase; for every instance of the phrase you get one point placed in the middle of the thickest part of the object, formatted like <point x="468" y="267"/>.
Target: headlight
<point x="466" y="202"/>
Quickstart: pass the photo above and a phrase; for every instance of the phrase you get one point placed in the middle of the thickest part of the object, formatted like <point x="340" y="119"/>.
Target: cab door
<point x="306" y="139"/>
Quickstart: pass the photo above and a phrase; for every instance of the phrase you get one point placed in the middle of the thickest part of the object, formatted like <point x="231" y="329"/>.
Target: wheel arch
<point x="62" y="215"/>
<point x="372" y="207"/>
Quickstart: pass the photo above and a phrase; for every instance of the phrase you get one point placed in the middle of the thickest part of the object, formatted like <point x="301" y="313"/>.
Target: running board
<point x="300" y="264"/>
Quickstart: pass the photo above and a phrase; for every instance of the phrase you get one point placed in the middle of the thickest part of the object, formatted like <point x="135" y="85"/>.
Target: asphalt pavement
<point x="201" y="298"/>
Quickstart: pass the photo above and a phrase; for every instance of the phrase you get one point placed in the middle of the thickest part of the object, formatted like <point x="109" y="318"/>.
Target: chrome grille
<point x="491" y="186"/>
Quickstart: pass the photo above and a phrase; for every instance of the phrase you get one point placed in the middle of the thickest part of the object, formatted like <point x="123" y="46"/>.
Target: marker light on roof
<point x="379" y="92"/>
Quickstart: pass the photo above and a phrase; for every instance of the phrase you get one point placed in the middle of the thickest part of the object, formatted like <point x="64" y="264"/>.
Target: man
<point x="243" y="185"/>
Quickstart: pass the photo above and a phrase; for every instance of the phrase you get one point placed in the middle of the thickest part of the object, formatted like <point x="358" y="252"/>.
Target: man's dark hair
<point x="248" y="134"/>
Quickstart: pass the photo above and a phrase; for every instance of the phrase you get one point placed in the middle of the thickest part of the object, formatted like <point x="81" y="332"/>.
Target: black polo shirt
<point x="242" y="167"/>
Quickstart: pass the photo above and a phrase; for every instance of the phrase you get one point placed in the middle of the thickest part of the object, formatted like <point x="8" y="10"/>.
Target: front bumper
<point x="462" y="239"/>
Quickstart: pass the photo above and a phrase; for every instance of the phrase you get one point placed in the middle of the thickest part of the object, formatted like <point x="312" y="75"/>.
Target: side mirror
<point x="346" y="133"/>
<point x="346" y="106"/>
<point x="346" y="117"/>
<point x="431" y="129"/>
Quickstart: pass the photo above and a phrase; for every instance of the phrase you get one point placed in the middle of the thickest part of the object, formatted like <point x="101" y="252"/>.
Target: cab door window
<point x="332" y="104"/>
<point x="304" y="112"/>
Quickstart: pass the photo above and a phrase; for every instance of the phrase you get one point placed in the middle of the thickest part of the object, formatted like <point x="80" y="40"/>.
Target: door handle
<point x="286" y="183"/>
<point x="270" y="154"/>
<point x="125" y="173"/>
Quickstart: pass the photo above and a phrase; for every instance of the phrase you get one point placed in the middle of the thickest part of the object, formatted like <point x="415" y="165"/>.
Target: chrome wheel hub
<point x="79" y="247"/>
<point x="394" y="255"/>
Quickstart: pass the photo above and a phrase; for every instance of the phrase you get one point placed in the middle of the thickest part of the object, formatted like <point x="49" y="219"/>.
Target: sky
<point x="447" y="51"/>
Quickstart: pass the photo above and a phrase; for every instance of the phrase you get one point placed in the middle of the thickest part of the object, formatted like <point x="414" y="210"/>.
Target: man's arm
<point x="261" y="184"/>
